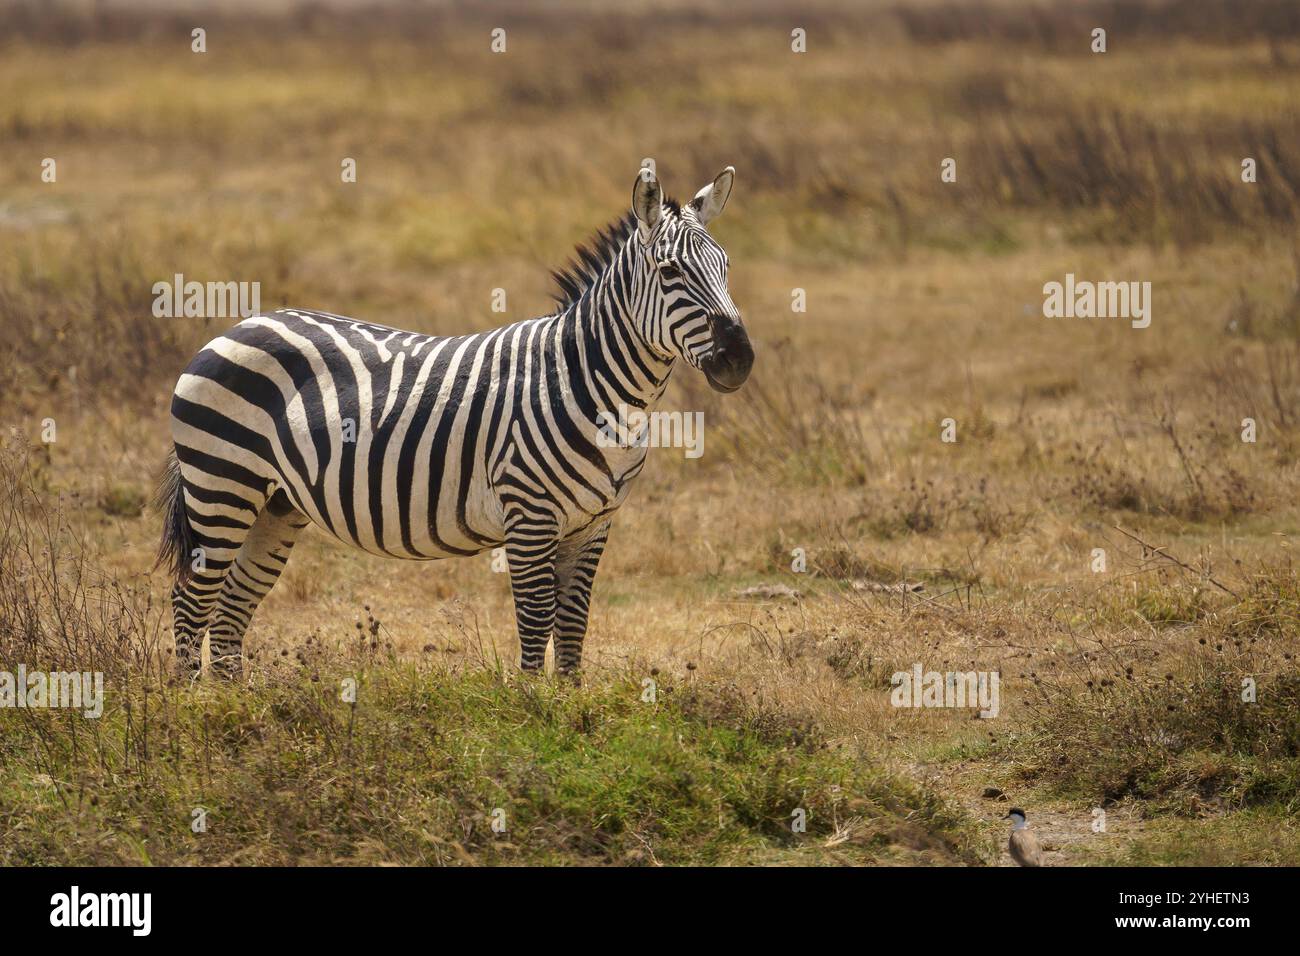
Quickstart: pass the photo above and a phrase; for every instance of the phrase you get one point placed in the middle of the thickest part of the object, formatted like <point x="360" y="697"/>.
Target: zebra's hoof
<point x="227" y="670"/>
<point x="185" y="672"/>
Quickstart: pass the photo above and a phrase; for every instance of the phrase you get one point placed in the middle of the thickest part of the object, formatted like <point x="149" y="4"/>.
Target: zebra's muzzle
<point x="727" y="366"/>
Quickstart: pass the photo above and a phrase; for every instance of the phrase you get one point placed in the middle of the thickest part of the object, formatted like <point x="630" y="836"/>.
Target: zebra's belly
<point x="420" y="519"/>
<point x="460" y="522"/>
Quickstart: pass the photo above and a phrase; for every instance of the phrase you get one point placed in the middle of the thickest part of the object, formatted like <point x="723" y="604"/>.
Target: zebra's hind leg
<point x="217" y="538"/>
<point x="256" y="568"/>
<point x="530" y="551"/>
<point x="192" y="603"/>
<point x="575" y="570"/>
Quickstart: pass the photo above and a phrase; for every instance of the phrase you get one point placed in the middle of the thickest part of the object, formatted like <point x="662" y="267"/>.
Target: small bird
<point x="1023" y="844"/>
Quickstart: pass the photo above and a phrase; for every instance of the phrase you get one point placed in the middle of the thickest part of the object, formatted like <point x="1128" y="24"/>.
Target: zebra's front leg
<point x="575" y="570"/>
<point x="530" y="552"/>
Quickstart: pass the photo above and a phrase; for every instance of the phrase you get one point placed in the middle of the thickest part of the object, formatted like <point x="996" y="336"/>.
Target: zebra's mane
<point x="594" y="257"/>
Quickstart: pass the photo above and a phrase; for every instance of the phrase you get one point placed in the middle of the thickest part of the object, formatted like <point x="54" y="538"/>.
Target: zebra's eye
<point x="670" y="271"/>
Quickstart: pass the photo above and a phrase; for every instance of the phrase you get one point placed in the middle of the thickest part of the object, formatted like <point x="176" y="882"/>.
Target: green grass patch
<point x="418" y="771"/>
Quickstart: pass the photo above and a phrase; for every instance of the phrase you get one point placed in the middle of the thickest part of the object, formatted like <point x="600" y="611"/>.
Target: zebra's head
<point x="691" y="314"/>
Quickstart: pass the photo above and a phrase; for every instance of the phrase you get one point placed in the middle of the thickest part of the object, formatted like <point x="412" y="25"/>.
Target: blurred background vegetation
<point x="480" y="170"/>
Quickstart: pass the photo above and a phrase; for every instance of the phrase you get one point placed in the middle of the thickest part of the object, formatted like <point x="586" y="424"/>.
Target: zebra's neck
<point x="606" y="325"/>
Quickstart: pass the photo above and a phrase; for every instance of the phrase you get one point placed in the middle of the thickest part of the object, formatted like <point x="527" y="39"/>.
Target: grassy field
<point x="1120" y="688"/>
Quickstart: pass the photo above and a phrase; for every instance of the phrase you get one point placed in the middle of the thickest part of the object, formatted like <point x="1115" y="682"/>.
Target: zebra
<point x="425" y="447"/>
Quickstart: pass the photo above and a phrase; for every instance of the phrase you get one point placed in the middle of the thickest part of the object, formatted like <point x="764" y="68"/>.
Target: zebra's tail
<point x="177" y="535"/>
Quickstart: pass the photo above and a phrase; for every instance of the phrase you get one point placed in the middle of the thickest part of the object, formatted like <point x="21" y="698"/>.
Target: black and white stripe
<point x="422" y="447"/>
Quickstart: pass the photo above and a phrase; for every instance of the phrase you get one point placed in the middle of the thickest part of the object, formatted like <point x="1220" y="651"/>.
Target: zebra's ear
<point x="647" y="201"/>
<point x="708" y="202"/>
